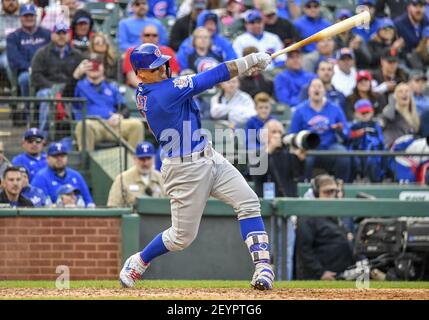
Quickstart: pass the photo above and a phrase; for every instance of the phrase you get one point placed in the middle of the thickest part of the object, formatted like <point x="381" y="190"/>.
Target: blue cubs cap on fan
<point x="61" y="26"/>
<point x="147" y="56"/>
<point x="363" y="105"/>
<point x="366" y="2"/>
<point x="343" y="52"/>
<point x="33" y="132"/>
<point x="309" y="1"/>
<point x="145" y="150"/>
<point x="66" y="189"/>
<point x="27" y="9"/>
<point x="386" y="23"/>
<point x="253" y="15"/>
<point x="57" y="148"/>
<point x="343" y="13"/>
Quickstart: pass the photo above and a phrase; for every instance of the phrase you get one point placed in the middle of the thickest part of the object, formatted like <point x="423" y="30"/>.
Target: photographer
<point x="285" y="163"/>
<point x="322" y="245"/>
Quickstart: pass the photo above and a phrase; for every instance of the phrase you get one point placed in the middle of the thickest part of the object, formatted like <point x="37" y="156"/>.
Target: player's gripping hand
<point x="263" y="60"/>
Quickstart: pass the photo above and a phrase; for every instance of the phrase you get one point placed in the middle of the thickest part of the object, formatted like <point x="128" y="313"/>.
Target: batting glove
<point x="263" y="60"/>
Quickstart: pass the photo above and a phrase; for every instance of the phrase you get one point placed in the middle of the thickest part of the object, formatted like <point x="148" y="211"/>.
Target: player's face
<point x="12" y="183"/>
<point x="28" y="21"/>
<point x="58" y="162"/>
<point x="33" y="145"/>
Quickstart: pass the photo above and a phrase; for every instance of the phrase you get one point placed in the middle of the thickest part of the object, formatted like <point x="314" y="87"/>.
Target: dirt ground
<point x="219" y="294"/>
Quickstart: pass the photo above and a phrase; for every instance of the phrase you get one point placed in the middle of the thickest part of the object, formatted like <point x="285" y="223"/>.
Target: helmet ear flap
<point x="168" y="69"/>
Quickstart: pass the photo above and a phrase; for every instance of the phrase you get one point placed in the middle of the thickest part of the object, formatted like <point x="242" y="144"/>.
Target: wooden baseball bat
<point x="337" y="28"/>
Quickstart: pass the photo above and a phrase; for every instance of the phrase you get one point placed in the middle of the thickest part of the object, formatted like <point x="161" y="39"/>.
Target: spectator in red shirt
<point x="149" y="35"/>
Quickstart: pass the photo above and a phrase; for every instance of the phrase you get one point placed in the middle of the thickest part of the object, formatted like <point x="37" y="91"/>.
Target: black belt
<point x="189" y="156"/>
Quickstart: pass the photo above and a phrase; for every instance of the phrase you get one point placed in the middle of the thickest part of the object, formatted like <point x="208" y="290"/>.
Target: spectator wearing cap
<point x="69" y="196"/>
<point x="33" y="158"/>
<point x="56" y="68"/>
<point x="149" y="35"/>
<point x="310" y="22"/>
<point x="364" y="32"/>
<point x="288" y="83"/>
<point x="344" y="79"/>
<point x="400" y="116"/>
<point x="255" y="81"/>
<point x="35" y="195"/>
<point x="395" y="8"/>
<point x="56" y="174"/>
<point x="364" y="90"/>
<point x="321" y="116"/>
<point x="325" y="50"/>
<point x="419" y="57"/>
<point x="3" y="161"/>
<point x="9" y="22"/>
<point x="220" y="45"/>
<point x="22" y="45"/>
<point x="11" y="194"/>
<point x="256" y="36"/>
<point x="80" y="32"/>
<point x="162" y="9"/>
<point x="232" y="104"/>
<point x="141" y="180"/>
<point x="130" y="29"/>
<point x="288" y="9"/>
<point x="366" y="134"/>
<point x="410" y="24"/>
<point x="325" y="72"/>
<point x="277" y="25"/>
<point x="105" y="101"/>
<point x="389" y="74"/>
<point x="384" y="38"/>
<point x="200" y="57"/>
<point x="185" y="25"/>
<point x="418" y="81"/>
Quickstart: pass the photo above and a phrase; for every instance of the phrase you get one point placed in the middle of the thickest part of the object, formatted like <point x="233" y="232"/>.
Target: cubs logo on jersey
<point x="160" y="9"/>
<point x="319" y="124"/>
<point x="205" y="63"/>
<point x="183" y="82"/>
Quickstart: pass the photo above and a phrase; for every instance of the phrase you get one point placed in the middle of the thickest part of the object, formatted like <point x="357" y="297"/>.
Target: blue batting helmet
<point x="148" y="57"/>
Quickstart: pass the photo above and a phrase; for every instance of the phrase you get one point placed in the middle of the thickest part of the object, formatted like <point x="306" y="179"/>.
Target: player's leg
<point x="188" y="185"/>
<point x="231" y="187"/>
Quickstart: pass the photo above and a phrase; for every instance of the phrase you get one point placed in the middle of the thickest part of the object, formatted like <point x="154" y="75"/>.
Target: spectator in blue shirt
<point x="319" y="115"/>
<point x="57" y="174"/>
<point x="220" y="45"/>
<point x="161" y="9"/>
<point x="418" y="82"/>
<point x="288" y="9"/>
<point x="35" y="195"/>
<point x="310" y="22"/>
<point x="22" y="44"/>
<point x="367" y="33"/>
<point x="288" y="83"/>
<point x="105" y="101"/>
<point x="410" y="25"/>
<point x="32" y="159"/>
<point x="130" y="29"/>
<point x="263" y="106"/>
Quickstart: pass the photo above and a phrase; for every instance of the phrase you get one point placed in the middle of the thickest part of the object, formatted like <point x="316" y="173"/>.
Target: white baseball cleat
<point x="132" y="271"/>
<point x="263" y="278"/>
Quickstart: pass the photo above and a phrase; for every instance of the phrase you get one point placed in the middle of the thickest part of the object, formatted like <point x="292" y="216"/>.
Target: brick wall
<point x="32" y="247"/>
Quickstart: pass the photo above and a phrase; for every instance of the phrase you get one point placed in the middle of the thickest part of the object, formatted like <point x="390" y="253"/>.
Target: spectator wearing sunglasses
<point x="33" y="158"/>
<point x="149" y="35"/>
<point x="11" y="195"/>
<point x="310" y="22"/>
<point x="322" y="245"/>
<point x="130" y="29"/>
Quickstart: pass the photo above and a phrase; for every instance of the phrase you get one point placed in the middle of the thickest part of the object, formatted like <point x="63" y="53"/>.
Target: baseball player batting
<point x="192" y="170"/>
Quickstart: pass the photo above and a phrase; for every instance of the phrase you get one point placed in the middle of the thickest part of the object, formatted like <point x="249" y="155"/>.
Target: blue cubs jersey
<point x="32" y="164"/>
<point x="171" y="113"/>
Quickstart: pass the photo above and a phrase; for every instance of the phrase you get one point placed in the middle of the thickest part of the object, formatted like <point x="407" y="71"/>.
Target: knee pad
<point x="175" y="241"/>
<point x="259" y="246"/>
